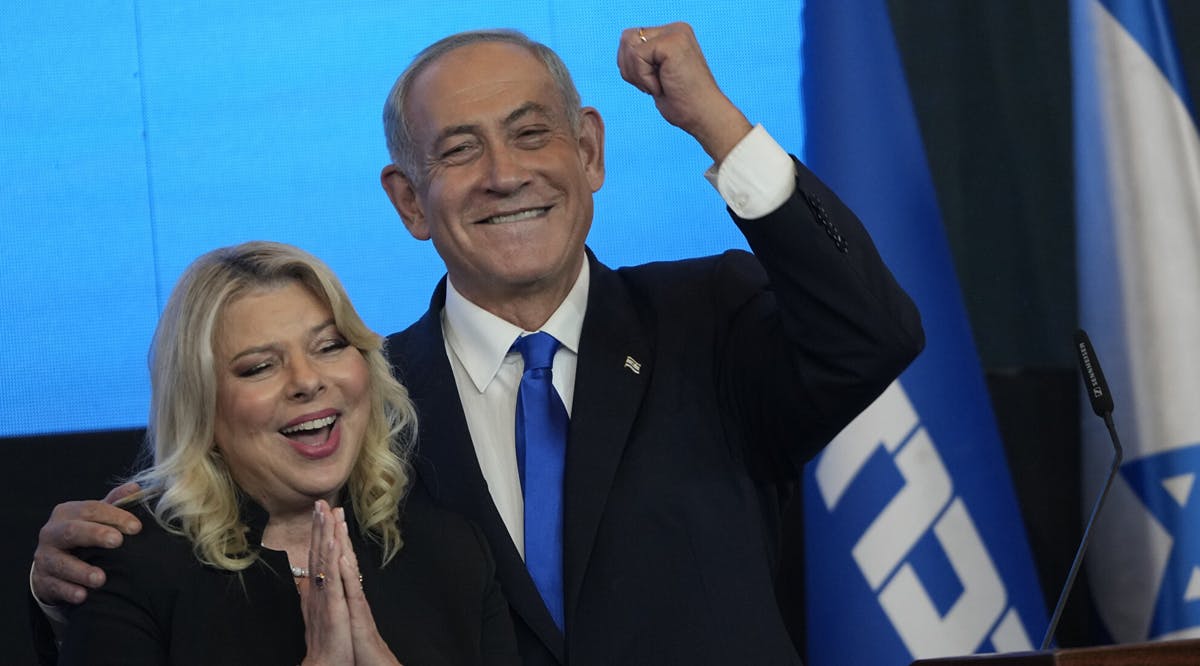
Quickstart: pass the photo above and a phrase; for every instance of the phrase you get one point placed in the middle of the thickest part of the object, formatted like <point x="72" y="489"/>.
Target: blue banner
<point x="915" y="547"/>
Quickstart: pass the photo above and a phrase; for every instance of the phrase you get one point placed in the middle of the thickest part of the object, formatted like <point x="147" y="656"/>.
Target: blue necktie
<point x="541" y="452"/>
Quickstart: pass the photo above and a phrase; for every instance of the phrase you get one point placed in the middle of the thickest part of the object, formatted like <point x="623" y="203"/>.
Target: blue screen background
<point x="138" y="135"/>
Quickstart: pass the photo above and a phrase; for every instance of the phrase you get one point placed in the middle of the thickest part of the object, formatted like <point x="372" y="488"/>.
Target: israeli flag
<point x="1138" y="227"/>
<point x="915" y="547"/>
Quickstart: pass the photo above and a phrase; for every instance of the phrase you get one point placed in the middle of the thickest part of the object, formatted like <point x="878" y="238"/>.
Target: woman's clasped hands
<point x="339" y="627"/>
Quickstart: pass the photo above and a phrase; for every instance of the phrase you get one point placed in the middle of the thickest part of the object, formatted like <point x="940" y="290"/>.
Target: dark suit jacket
<point x="702" y="387"/>
<point x="436" y="602"/>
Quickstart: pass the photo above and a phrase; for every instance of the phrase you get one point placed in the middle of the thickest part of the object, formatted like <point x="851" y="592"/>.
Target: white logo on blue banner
<point x="925" y="507"/>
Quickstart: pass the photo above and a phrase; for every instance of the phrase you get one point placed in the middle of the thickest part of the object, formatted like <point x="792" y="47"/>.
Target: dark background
<point x="991" y="83"/>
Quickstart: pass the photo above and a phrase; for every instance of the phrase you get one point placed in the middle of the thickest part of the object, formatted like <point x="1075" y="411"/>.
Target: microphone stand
<point x="1102" y="405"/>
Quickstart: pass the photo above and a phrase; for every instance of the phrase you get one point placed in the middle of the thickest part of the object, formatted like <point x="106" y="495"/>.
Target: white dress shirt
<point x="488" y="373"/>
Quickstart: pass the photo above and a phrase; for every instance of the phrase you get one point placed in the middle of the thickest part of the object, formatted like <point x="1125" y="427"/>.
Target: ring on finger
<point x="319" y="580"/>
<point x="642" y="35"/>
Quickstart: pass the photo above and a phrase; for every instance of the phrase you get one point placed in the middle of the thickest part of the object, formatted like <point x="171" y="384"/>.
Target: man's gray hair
<point x="396" y="125"/>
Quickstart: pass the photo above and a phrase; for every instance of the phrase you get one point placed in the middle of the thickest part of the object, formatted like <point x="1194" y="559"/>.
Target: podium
<point x="1165" y="653"/>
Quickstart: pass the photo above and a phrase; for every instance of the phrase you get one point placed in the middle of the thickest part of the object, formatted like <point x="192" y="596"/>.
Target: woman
<point x="271" y="402"/>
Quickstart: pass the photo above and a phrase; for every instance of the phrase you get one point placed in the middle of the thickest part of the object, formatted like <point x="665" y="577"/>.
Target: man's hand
<point x="666" y="63"/>
<point x="58" y="576"/>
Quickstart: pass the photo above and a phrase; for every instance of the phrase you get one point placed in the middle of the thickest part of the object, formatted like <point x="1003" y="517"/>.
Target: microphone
<point x="1102" y="405"/>
<point x="1093" y="376"/>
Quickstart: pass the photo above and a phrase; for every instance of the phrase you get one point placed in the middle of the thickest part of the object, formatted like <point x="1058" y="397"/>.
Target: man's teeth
<point x="514" y="217"/>
<point x="315" y="424"/>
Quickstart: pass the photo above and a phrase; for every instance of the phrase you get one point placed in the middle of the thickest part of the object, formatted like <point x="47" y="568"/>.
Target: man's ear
<point x="403" y="195"/>
<point x="591" y="146"/>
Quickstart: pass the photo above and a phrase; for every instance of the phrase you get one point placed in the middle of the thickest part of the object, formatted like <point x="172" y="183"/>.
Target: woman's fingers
<point x="325" y="549"/>
<point x="314" y="541"/>
<point x="352" y="578"/>
<point x="331" y="551"/>
<point x="328" y="634"/>
<point x="369" y="646"/>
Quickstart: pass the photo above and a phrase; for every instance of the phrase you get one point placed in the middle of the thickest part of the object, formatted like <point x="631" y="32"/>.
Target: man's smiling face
<point x="506" y="189"/>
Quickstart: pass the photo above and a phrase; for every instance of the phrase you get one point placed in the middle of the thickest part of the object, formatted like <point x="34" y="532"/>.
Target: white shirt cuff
<point x="57" y="615"/>
<point x="756" y="177"/>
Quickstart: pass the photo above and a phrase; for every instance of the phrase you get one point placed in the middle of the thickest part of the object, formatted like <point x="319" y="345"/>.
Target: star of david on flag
<point x="1166" y="484"/>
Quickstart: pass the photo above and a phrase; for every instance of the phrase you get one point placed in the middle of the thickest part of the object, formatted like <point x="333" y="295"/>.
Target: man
<point x="696" y="389"/>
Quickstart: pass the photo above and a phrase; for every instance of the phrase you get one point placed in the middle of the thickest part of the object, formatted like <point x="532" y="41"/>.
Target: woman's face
<point x="293" y="397"/>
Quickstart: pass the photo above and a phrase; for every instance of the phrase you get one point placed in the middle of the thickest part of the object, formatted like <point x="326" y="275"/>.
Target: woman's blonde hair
<point x="188" y="485"/>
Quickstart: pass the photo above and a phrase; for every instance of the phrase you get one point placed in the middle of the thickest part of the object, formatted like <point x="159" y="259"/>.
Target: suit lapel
<point x="614" y="368"/>
<point x="446" y="462"/>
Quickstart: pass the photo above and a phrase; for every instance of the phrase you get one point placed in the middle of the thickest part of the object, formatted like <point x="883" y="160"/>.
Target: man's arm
<point x="58" y="577"/>
<point x="830" y="328"/>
